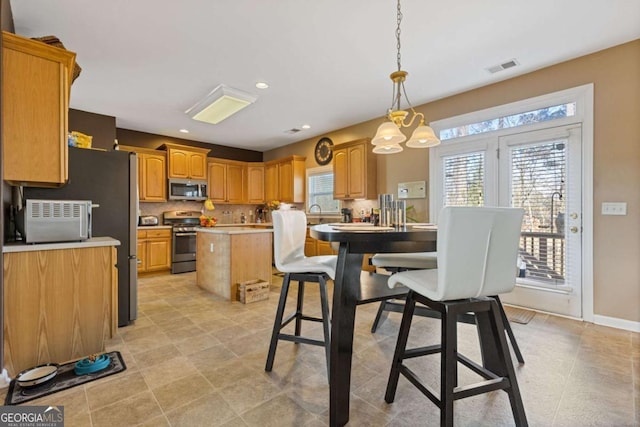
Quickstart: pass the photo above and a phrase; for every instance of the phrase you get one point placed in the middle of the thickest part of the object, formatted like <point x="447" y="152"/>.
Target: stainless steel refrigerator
<point x="109" y="179"/>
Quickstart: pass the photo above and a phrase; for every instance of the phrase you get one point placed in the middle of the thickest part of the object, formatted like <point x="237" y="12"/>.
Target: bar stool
<point x="289" y="232"/>
<point x="476" y="252"/>
<point x="427" y="260"/>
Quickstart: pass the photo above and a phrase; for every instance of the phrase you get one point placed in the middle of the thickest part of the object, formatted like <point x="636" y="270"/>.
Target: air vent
<point x="508" y="64"/>
<point x="292" y="131"/>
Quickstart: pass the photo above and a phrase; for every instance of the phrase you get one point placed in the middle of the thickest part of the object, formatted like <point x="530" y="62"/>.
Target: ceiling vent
<point x="292" y="131"/>
<point x="508" y="64"/>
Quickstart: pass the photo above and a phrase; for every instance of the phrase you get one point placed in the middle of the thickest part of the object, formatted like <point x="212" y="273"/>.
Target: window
<point x="320" y="191"/>
<point x="513" y="120"/>
<point x="464" y="180"/>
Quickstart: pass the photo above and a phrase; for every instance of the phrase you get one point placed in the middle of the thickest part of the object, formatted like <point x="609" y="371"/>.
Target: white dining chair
<point x="395" y="262"/>
<point x="476" y="252"/>
<point x="289" y="233"/>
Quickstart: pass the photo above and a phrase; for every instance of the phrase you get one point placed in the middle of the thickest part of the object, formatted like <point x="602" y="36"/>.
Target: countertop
<point x="154" y="227"/>
<point x="230" y="229"/>
<point x="90" y="243"/>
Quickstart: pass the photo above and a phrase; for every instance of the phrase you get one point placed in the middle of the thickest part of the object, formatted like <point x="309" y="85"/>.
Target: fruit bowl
<point x="208" y="221"/>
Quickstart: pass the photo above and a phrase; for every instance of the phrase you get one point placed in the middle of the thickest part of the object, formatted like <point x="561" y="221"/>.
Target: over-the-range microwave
<point x="187" y="189"/>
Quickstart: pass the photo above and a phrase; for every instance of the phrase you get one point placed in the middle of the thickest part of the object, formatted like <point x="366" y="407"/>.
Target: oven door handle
<point x="185" y="234"/>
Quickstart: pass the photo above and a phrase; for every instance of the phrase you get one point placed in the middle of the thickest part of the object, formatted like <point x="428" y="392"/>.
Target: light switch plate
<point x="614" y="208"/>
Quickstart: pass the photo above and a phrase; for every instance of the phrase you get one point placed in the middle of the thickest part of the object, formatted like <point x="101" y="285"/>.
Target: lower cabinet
<point x="313" y="247"/>
<point x="59" y="305"/>
<point x="154" y="250"/>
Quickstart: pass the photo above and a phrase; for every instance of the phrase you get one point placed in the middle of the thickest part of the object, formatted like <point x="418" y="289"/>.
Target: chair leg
<point x="515" y="399"/>
<point x="448" y="365"/>
<point x="507" y="328"/>
<point x="277" y="323"/>
<point x="378" y="318"/>
<point x="324" y="303"/>
<point x="401" y="346"/>
<point x="299" y="308"/>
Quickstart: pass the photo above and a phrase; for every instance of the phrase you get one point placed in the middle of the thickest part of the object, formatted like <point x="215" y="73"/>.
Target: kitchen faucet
<point x="315" y="205"/>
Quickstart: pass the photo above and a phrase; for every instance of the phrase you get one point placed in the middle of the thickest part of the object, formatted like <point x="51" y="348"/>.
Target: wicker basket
<point x="54" y="41"/>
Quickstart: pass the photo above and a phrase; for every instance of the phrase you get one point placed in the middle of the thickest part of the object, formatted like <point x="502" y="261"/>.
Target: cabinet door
<point x="340" y="174"/>
<point x="255" y="184"/>
<point x="324" y="248"/>
<point x="310" y="247"/>
<point x="271" y="182"/>
<point x="217" y="182"/>
<point x="356" y="172"/>
<point x="142" y="256"/>
<point x="153" y="186"/>
<point x="178" y="163"/>
<point x="285" y="176"/>
<point x="35" y="100"/>
<point x="235" y="183"/>
<point x="158" y="254"/>
<point x="197" y="166"/>
<point x="141" y="178"/>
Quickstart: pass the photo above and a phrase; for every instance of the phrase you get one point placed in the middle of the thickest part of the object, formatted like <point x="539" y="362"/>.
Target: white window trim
<point x="583" y="96"/>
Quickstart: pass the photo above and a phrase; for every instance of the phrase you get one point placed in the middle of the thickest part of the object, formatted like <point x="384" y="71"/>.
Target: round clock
<point x="324" y="151"/>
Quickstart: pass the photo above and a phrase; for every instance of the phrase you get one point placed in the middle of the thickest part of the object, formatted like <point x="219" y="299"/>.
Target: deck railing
<point x="544" y="255"/>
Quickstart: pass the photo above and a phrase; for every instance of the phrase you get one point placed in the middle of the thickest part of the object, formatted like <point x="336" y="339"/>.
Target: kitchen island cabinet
<point x="226" y="256"/>
<point x="36" y="82"/>
<point x="60" y="301"/>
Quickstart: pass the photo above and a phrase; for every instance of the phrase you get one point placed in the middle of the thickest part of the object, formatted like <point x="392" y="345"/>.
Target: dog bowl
<point x="87" y="366"/>
<point x="37" y="375"/>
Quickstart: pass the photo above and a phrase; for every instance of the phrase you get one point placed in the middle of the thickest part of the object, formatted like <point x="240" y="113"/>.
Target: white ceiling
<point x="327" y="61"/>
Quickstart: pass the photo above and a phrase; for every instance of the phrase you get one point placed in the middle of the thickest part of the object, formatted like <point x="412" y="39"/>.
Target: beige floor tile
<point x="138" y="409"/>
<point x="248" y="393"/>
<point x="278" y="412"/>
<point x="192" y="345"/>
<point x="114" y="389"/>
<point x="208" y="410"/>
<point x="158" y="355"/>
<point x="181" y="391"/>
<point x="168" y="371"/>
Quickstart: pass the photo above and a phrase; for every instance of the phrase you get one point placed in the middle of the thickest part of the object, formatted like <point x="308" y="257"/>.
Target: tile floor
<point x="196" y="360"/>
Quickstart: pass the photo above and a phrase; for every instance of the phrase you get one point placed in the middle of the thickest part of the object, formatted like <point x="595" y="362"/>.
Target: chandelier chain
<point x="399" y="20"/>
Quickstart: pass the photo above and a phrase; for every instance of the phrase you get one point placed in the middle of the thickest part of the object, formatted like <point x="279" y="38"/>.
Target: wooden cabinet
<point x="285" y="179"/>
<point x="255" y="183"/>
<point x="226" y="183"/>
<point x="36" y="80"/>
<point x="186" y="162"/>
<point x="314" y="247"/>
<point x="59" y="305"/>
<point x="354" y="171"/>
<point x="154" y="250"/>
<point x="152" y="173"/>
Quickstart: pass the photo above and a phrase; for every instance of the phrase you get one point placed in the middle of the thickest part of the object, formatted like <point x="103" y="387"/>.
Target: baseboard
<point x="614" y="322"/>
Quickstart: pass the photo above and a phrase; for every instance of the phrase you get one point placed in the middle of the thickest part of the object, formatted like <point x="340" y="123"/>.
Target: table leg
<point x="346" y="287"/>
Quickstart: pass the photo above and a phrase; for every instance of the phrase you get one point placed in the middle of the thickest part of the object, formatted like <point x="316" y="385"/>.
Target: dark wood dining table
<point x="352" y="287"/>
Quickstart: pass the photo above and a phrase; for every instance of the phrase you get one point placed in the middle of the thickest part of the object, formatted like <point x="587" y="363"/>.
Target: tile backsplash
<point x="226" y="214"/>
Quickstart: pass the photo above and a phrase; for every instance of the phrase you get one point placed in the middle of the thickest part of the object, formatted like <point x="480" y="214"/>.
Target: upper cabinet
<point x="285" y="179"/>
<point x="354" y="170"/>
<point x="255" y="183"/>
<point x="226" y="181"/>
<point x="36" y="81"/>
<point x="152" y="173"/>
<point x="186" y="162"/>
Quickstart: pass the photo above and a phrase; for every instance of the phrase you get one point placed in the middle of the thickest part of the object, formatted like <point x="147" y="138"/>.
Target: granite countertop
<point x="246" y="224"/>
<point x="230" y="229"/>
<point x="152" y="227"/>
<point x="90" y="243"/>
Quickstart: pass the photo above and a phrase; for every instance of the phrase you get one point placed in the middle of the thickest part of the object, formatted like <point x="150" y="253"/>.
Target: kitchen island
<point x="228" y="255"/>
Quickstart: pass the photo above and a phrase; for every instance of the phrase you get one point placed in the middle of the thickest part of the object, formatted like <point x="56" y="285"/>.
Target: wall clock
<point x="324" y="151"/>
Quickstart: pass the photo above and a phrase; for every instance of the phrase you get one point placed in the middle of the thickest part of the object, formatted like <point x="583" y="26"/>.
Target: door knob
<point x="573" y="215"/>
<point x="574" y="229"/>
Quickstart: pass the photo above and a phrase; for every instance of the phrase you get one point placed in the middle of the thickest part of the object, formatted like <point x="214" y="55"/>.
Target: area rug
<point x="519" y="315"/>
<point x="65" y="379"/>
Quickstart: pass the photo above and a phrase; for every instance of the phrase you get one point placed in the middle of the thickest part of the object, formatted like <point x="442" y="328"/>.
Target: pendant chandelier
<point x="388" y="137"/>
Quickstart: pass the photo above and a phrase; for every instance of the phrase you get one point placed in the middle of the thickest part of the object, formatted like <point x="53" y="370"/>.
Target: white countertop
<point x="90" y="243"/>
<point x="233" y="230"/>
<point x="247" y="224"/>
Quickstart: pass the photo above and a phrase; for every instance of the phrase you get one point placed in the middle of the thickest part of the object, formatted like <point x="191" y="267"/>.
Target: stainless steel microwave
<point x="187" y="189"/>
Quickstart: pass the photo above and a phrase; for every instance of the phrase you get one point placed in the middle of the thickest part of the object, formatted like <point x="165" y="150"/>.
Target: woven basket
<point x="54" y="41"/>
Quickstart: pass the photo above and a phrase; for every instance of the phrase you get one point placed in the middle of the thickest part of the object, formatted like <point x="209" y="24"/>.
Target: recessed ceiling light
<point x="262" y="85"/>
<point x="306" y="126"/>
<point x="184" y="130"/>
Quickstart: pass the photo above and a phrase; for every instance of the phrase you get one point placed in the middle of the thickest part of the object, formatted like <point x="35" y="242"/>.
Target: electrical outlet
<point x="211" y="248"/>
<point x="614" y="208"/>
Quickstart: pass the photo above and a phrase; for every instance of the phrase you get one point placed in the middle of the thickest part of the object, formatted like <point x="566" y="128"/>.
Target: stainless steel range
<point x="184" y="225"/>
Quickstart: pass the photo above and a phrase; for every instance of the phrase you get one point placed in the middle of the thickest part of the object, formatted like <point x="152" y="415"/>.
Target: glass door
<point x="540" y="171"/>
